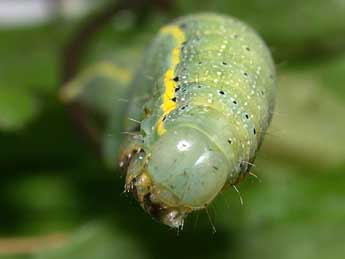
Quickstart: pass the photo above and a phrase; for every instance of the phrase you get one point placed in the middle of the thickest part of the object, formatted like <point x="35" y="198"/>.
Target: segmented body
<point x="210" y="84"/>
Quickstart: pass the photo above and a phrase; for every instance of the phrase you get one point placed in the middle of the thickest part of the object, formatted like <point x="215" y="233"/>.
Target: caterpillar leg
<point x="129" y="150"/>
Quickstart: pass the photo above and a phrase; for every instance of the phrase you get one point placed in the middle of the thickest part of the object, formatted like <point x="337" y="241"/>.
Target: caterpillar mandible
<point x="211" y="85"/>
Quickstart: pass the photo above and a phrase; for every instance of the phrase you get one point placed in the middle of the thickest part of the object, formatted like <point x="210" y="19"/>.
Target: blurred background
<point x="59" y="198"/>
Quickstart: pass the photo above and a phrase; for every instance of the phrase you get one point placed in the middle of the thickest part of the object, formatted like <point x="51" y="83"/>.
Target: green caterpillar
<point x="211" y="86"/>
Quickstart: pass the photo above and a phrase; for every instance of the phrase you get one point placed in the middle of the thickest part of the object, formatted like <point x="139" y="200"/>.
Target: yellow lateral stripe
<point x="168" y="105"/>
<point x="104" y="69"/>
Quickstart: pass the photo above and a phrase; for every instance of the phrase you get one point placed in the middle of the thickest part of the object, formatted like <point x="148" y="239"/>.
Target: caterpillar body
<point x="211" y="85"/>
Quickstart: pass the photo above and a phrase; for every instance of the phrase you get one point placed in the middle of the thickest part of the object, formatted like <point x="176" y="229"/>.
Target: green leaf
<point x="308" y="126"/>
<point x="17" y="109"/>
<point x="96" y="240"/>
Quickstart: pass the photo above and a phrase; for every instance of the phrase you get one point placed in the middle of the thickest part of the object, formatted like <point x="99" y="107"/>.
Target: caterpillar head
<point x="182" y="171"/>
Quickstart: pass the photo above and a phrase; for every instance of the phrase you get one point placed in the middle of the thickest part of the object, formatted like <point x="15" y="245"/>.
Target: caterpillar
<point x="203" y="98"/>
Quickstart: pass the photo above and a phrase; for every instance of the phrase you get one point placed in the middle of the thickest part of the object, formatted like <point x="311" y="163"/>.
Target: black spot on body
<point x="224" y="63"/>
<point x="221" y="92"/>
<point x="234" y="102"/>
<point x="254" y="131"/>
<point x="229" y="141"/>
<point x="174" y="99"/>
<point x="247" y="116"/>
<point x="176" y="78"/>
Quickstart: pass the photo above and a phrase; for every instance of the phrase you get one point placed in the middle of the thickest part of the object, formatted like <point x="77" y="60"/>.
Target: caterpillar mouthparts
<point x="139" y="183"/>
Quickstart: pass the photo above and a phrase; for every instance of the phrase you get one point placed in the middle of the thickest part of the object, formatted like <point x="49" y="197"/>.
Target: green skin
<point x="225" y="88"/>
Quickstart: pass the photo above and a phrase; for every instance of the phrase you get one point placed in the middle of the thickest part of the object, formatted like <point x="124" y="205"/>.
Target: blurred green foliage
<point x="51" y="182"/>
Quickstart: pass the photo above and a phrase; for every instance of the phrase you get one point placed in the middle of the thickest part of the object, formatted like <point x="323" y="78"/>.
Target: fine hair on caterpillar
<point x="210" y="80"/>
